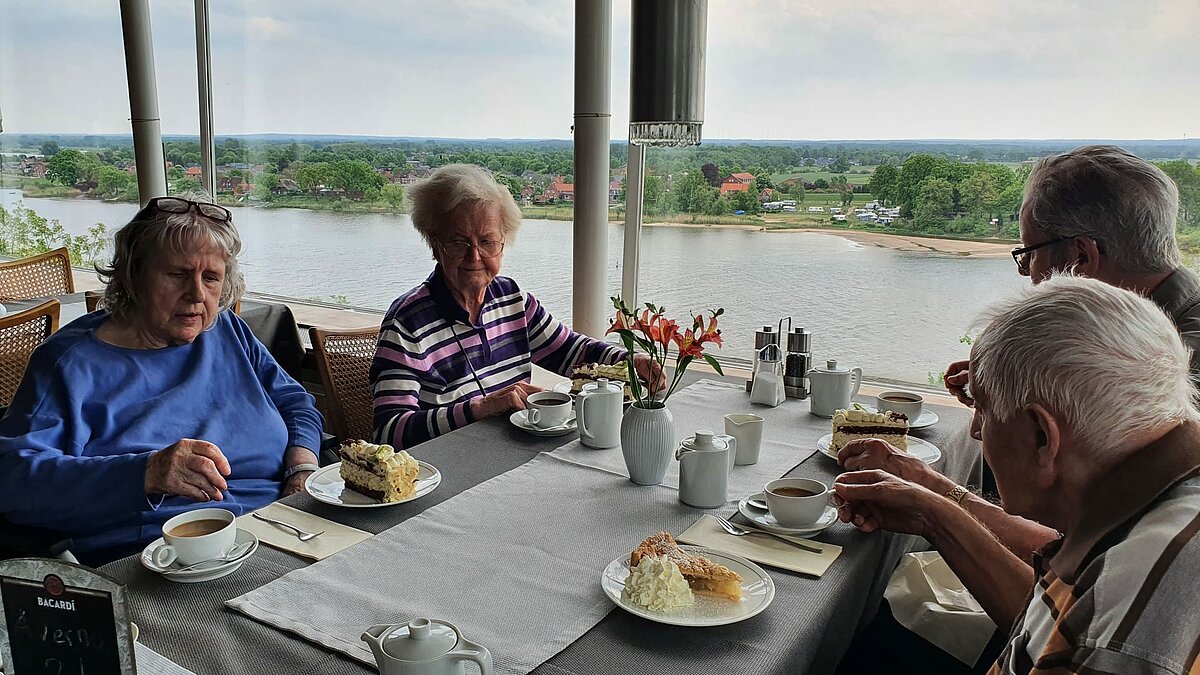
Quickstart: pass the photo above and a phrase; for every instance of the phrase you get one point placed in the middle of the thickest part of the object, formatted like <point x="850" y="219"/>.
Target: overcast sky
<point x="777" y="69"/>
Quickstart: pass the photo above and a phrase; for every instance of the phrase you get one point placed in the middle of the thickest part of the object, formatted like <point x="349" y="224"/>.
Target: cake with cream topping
<point x="590" y="372"/>
<point x="852" y="425"/>
<point x="703" y="575"/>
<point x="378" y="471"/>
<point x="657" y="584"/>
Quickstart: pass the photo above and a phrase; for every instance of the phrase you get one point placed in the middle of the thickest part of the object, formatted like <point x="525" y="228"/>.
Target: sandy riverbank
<point x="896" y="242"/>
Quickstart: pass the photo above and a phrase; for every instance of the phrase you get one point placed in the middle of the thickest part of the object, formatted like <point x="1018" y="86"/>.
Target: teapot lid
<point x="420" y="640"/>
<point x="831" y="366"/>
<point x="602" y="385"/>
<point x="705" y="440"/>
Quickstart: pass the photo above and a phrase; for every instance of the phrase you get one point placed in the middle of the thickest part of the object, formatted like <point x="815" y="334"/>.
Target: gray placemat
<point x="516" y="565"/>
<point x="790" y="435"/>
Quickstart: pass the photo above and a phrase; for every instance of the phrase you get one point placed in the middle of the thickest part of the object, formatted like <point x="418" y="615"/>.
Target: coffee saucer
<point x="520" y="420"/>
<point x="927" y="418"/>
<point x="243" y="538"/>
<point x="763" y="520"/>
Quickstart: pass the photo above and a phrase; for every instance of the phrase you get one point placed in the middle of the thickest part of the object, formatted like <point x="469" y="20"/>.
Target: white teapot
<point x="831" y="388"/>
<point x="598" y="408"/>
<point x="705" y="461"/>
<point x="424" y="647"/>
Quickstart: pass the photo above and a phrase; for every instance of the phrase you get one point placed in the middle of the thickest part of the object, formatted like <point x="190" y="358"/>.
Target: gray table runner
<point x="543" y="532"/>
<point x="790" y="434"/>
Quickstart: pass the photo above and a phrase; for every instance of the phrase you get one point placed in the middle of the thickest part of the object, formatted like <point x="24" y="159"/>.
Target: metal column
<point x="593" y="51"/>
<point x="634" y="200"/>
<point x="143" y="100"/>
<point x="208" y="162"/>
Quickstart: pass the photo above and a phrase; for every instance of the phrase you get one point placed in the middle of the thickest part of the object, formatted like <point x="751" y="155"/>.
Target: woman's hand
<point x="503" y="402"/>
<point x="650" y="372"/>
<point x="188" y="468"/>
<point x="958" y="376"/>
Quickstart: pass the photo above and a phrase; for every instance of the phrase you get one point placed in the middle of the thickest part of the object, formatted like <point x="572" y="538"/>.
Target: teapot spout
<point x="374" y="639"/>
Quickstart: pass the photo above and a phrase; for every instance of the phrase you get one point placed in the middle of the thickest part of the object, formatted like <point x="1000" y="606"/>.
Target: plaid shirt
<point x="1119" y="593"/>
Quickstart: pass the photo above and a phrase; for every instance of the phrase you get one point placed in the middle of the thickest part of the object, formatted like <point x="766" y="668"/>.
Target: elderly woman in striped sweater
<point x="458" y="347"/>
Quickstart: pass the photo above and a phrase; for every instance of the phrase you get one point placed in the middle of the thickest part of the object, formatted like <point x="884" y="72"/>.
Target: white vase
<point x="647" y="442"/>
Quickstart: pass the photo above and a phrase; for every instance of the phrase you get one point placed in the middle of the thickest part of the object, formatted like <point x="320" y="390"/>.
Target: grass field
<point x="857" y="175"/>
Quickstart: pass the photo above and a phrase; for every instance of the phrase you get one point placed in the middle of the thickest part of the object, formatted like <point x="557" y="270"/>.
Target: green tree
<point x="797" y="191"/>
<point x="313" y="175"/>
<point x="980" y="191"/>
<point x="354" y="175"/>
<point x="1187" y="180"/>
<point x="393" y="194"/>
<point x="839" y="165"/>
<point x="883" y="183"/>
<point x="912" y="175"/>
<point x="763" y="179"/>
<point x="746" y="200"/>
<point x="63" y="168"/>
<point x="934" y="203"/>
<point x="821" y="184"/>
<point x="49" y="148"/>
<point x="113" y="183"/>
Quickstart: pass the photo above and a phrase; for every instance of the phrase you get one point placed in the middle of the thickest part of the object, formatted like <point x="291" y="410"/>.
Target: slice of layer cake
<point x="703" y="575"/>
<point x="378" y="471"/>
<point x="851" y="425"/>
<point x="590" y="372"/>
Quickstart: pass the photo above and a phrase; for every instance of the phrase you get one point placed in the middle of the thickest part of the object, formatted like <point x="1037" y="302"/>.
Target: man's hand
<point x="872" y="453"/>
<point x="875" y="500"/>
<point x="958" y="376"/>
<point x="650" y="372"/>
<point x="503" y="402"/>
<point x="188" y="468"/>
<point x="295" y="484"/>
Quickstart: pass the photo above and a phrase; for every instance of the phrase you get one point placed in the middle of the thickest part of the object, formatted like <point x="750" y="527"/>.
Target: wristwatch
<point x="957" y="494"/>
<point x="299" y="468"/>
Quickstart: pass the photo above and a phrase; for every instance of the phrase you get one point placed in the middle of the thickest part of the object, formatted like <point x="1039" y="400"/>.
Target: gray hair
<point x="453" y="185"/>
<point x="1110" y="362"/>
<point x="1107" y="194"/>
<point x="148" y="235"/>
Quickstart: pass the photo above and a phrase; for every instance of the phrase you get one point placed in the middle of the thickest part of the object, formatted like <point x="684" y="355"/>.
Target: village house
<point x="614" y="190"/>
<point x="737" y="182"/>
<point x="559" y="191"/>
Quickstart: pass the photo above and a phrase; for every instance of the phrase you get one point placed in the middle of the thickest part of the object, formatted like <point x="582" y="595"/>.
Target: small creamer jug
<point x="424" y="647"/>
<point x="705" y="461"/>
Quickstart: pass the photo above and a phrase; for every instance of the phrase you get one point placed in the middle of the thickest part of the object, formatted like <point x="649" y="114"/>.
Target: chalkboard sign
<point x="62" y="619"/>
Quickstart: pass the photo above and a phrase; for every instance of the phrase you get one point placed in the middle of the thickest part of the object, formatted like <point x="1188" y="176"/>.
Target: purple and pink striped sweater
<point x="421" y="378"/>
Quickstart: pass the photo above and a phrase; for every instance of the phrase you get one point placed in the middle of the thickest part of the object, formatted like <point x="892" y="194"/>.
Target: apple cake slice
<point x="703" y="575"/>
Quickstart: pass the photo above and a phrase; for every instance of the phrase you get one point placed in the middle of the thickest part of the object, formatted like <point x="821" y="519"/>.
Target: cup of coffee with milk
<point x="904" y="402"/>
<point x="196" y="536"/>
<point x="797" y="502"/>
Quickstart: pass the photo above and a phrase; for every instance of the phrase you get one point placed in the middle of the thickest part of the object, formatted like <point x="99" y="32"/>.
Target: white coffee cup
<point x="904" y="402"/>
<point x="196" y="536"/>
<point x="747" y="429"/>
<point x="797" y="510"/>
<point x="548" y="409"/>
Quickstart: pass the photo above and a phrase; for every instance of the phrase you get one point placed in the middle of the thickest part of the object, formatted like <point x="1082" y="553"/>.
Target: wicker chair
<point x="37" y="276"/>
<point x="91" y="299"/>
<point x="344" y="362"/>
<point x="20" y="334"/>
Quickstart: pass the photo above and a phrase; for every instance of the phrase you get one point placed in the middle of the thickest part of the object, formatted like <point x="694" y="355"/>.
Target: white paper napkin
<point x="335" y="537"/>
<point x="770" y="551"/>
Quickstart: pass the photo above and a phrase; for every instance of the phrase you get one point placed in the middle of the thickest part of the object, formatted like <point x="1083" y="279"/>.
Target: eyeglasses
<point x="1022" y="255"/>
<point x="458" y="248"/>
<point x="181" y="205"/>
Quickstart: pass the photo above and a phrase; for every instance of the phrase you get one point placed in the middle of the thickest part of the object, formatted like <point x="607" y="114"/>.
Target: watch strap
<point x="299" y="468"/>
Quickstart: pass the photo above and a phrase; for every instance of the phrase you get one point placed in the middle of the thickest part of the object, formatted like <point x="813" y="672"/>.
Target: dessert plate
<point x="204" y="573"/>
<point x="927" y="418"/>
<point x="326" y="485"/>
<point x="757" y="593"/>
<point x="763" y="520"/>
<point x="921" y="449"/>
<point x="520" y="421"/>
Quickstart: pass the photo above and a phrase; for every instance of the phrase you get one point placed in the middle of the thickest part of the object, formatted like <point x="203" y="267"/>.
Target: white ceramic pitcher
<point x="831" y="388"/>
<point x="598" y="408"/>
<point x="424" y="647"/>
<point x="705" y="461"/>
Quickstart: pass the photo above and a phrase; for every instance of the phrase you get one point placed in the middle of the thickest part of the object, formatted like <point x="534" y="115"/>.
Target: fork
<point x="741" y="532"/>
<point x="301" y="534"/>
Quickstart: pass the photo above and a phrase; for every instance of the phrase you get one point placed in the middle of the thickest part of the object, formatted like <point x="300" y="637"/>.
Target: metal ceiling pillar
<point x="143" y="100"/>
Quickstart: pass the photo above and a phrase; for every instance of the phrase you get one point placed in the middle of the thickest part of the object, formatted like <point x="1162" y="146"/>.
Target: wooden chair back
<point x="344" y="362"/>
<point x="37" y="276"/>
<point x="20" y="334"/>
<point x="92" y="300"/>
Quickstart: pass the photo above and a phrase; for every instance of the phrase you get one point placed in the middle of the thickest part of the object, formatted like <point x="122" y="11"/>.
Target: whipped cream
<point x="657" y="584"/>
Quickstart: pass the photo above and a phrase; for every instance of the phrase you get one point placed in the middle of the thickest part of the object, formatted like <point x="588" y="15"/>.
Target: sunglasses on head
<point x="181" y="205"/>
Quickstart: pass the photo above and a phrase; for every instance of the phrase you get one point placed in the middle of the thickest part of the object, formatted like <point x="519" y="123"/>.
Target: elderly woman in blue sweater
<point x="160" y="402"/>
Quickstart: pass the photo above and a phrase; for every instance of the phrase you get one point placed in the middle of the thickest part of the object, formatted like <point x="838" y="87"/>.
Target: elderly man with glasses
<point x="1086" y="410"/>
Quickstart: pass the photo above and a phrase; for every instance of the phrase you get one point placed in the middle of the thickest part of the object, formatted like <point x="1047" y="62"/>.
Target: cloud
<point x="478" y="68"/>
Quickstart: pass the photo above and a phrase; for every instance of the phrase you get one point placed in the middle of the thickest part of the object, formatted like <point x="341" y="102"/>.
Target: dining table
<point x="271" y="322"/>
<point x="807" y="628"/>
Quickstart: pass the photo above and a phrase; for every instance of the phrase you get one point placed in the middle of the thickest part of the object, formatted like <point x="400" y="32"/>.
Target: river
<point x="897" y="315"/>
